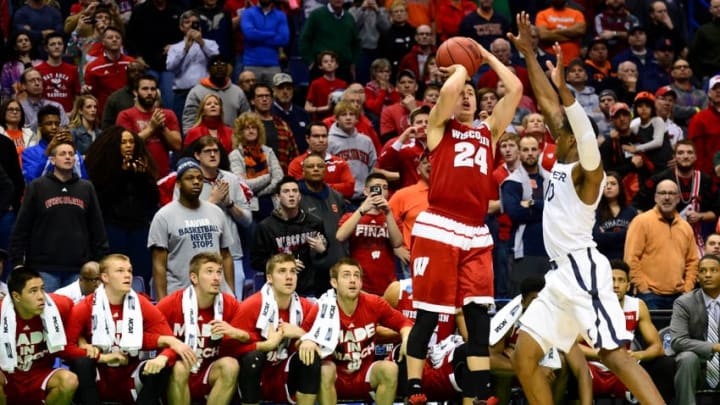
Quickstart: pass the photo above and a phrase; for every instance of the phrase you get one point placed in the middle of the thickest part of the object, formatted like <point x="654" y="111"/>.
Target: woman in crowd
<point x="84" y="122"/>
<point x="12" y="125"/>
<point x="21" y="55"/>
<point x="431" y="73"/>
<point x="613" y="218"/>
<point x="379" y="92"/>
<point x="255" y="162"/>
<point x="209" y="121"/>
<point x="123" y="173"/>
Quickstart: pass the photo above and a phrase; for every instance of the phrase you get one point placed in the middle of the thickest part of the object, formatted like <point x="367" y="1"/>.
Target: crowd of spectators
<point x="300" y="115"/>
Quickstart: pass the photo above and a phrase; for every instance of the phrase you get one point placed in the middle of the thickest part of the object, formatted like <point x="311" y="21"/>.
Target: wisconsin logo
<point x="419" y="265"/>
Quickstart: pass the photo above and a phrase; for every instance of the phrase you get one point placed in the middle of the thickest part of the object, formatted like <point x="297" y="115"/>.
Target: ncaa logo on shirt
<point x="419" y="265"/>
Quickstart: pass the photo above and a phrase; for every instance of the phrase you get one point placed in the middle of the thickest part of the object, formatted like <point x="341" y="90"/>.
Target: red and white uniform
<point x="604" y="381"/>
<point x="117" y="383"/>
<point x="135" y="120"/>
<point x="208" y="349"/>
<point x="27" y="383"/>
<point x="355" y="353"/>
<point x="275" y="371"/>
<point x="370" y="246"/>
<point x="452" y="233"/>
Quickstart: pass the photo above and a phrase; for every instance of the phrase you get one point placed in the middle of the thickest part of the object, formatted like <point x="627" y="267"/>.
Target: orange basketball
<point x="462" y="51"/>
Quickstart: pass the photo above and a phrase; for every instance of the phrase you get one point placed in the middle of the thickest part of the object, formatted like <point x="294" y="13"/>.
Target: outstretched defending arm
<point x="588" y="175"/>
<point x="588" y="150"/>
<point x="544" y="92"/>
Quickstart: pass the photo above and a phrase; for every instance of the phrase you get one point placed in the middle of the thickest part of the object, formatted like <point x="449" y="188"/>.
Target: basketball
<point x="459" y="50"/>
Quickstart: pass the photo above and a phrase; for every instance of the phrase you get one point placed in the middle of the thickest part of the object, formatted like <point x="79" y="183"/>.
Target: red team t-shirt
<point x="250" y="311"/>
<point x="356" y="347"/>
<point x="461" y="175"/>
<point x="370" y="246"/>
<point x="60" y="83"/>
<point x="209" y="349"/>
<point x="35" y="362"/>
<point x="275" y="373"/>
<point x="320" y="90"/>
<point x="116" y="383"/>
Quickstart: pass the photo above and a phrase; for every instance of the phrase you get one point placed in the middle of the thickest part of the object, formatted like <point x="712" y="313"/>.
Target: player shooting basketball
<point x="452" y="252"/>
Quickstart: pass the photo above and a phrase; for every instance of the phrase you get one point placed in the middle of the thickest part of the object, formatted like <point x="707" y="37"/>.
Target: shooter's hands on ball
<point x="450" y="70"/>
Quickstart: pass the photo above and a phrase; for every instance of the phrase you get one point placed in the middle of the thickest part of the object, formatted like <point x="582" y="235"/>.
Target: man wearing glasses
<point x="689" y="99"/>
<point x="85" y="285"/>
<point x="661" y="251"/>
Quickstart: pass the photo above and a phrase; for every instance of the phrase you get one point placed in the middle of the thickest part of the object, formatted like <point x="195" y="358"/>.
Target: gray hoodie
<point x="358" y="150"/>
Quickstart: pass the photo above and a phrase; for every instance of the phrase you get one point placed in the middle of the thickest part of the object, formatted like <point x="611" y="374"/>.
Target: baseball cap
<point x="186" y="164"/>
<point x="664" y="44"/>
<point x="281" y="78"/>
<point x="617" y="107"/>
<point x="406" y="73"/>
<point x="636" y="27"/>
<point x="714" y="81"/>
<point x="3" y="254"/>
<point x="646" y="96"/>
<point x="608" y="92"/>
<point x="664" y="91"/>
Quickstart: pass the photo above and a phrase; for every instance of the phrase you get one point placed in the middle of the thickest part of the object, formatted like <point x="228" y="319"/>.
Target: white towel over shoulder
<point x="326" y="328"/>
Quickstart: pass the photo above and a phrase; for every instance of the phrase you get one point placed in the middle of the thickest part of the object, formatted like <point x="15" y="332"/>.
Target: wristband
<point x="232" y="204"/>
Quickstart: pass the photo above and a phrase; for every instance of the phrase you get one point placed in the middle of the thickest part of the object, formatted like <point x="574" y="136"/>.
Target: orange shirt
<point x="16" y="135"/>
<point x="406" y="204"/>
<point x="552" y="19"/>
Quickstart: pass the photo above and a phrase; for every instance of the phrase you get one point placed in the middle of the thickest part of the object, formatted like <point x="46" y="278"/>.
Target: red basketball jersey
<point x="461" y="175"/>
<point x="446" y="322"/>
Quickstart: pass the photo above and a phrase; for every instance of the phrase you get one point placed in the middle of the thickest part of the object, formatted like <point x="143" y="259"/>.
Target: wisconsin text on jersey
<point x="471" y="134"/>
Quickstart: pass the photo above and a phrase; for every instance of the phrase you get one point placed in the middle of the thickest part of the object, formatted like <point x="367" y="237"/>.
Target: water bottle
<point x="667" y="344"/>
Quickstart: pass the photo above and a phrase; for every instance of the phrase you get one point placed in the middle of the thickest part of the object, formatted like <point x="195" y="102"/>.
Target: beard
<point x="146" y="102"/>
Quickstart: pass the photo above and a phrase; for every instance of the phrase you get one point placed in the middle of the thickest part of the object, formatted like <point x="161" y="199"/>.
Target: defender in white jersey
<point x="578" y="297"/>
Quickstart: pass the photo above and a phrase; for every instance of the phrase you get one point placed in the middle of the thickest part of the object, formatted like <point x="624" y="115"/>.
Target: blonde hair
<point x="246" y="120"/>
<point x="346" y="106"/>
<point x="105" y="261"/>
<point x="201" y="113"/>
<point x="277" y="259"/>
<point x="76" y="117"/>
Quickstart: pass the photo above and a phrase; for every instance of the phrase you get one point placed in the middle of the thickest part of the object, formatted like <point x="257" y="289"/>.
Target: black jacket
<point x="278" y="235"/>
<point x="59" y="226"/>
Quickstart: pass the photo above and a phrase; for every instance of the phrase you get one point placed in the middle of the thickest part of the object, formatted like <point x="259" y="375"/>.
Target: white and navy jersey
<point x="567" y="220"/>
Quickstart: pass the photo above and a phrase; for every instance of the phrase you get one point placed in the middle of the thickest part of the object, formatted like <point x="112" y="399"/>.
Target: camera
<point x="195" y="25"/>
<point x="375" y="189"/>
